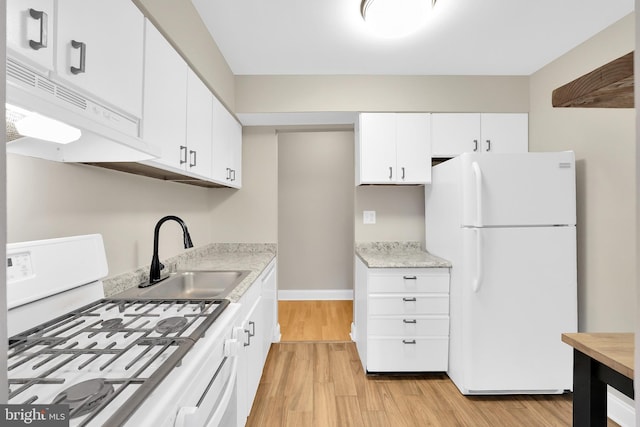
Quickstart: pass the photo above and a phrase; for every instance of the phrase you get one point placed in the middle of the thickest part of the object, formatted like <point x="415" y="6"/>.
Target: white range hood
<point x="107" y="135"/>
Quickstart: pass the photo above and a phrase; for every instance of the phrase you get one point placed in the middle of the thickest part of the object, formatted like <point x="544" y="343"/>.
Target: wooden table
<point x="598" y="360"/>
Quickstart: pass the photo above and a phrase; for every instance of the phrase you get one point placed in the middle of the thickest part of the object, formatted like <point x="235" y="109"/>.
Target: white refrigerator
<point x="507" y="223"/>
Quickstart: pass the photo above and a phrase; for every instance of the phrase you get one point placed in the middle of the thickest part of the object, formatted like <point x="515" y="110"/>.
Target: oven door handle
<point x="189" y="416"/>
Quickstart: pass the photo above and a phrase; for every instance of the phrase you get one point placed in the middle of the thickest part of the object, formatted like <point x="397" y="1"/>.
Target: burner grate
<point x="135" y="344"/>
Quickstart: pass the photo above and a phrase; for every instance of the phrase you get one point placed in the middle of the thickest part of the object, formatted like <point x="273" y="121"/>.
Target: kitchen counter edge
<point x="398" y="255"/>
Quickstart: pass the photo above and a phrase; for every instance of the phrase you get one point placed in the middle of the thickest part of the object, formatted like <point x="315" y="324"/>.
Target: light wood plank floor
<point x="315" y="320"/>
<point x="322" y="384"/>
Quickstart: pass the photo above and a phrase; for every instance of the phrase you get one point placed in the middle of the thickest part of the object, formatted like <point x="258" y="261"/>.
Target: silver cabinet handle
<point x="475" y="145"/>
<point x="410" y="278"/>
<point x="390" y="172"/>
<point x="488" y="145"/>
<point x="233" y="174"/>
<point x="403" y="173"/>
<point x="408" y="341"/>
<point x="253" y="328"/>
<point x="83" y="55"/>
<point x="43" y="18"/>
<point x="248" y="343"/>
<point x="409" y="299"/>
<point x="192" y="158"/>
<point x="228" y="174"/>
<point x="183" y="154"/>
<point x="409" y="321"/>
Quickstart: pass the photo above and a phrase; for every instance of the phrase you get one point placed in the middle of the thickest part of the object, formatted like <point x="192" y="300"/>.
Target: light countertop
<point x="254" y="257"/>
<point x="398" y="255"/>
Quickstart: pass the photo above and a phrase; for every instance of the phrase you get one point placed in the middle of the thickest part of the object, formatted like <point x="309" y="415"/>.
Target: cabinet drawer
<point x="409" y="326"/>
<point x="408" y="355"/>
<point x="408" y="304"/>
<point x="409" y="281"/>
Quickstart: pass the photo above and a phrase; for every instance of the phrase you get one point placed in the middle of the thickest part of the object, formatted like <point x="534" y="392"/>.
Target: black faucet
<point x="156" y="265"/>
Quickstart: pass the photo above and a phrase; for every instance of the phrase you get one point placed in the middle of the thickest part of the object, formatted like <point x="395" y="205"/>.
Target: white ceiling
<point x="462" y="37"/>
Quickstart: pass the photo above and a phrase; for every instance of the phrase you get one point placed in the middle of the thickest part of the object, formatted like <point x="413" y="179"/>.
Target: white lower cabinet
<point x="258" y="328"/>
<point x="402" y="318"/>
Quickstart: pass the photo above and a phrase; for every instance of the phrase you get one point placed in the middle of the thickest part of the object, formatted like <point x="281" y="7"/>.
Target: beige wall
<point x="47" y="199"/>
<point x="604" y="143"/>
<point x="180" y="23"/>
<point x="250" y="214"/>
<point x="399" y="213"/>
<point x="315" y="211"/>
<point x="381" y="93"/>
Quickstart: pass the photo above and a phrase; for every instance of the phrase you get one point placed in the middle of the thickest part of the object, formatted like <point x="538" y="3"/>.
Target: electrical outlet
<point x="369" y="217"/>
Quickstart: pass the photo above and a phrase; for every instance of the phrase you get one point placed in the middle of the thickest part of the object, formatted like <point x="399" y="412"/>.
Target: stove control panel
<point x="19" y="267"/>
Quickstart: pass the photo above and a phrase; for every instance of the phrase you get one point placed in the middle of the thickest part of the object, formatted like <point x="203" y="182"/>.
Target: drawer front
<point x="408" y="304"/>
<point x="409" y="326"/>
<point x="409" y="281"/>
<point x="408" y="355"/>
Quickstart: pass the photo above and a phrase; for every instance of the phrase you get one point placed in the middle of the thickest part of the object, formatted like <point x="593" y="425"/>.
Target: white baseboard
<point x="318" y="294"/>
<point x="620" y="411"/>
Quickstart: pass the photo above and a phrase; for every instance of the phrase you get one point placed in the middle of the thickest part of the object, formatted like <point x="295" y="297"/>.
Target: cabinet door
<point x="454" y="133"/>
<point x="377" y="148"/>
<point x="165" y="98"/>
<point x="100" y="49"/>
<point x="505" y="132"/>
<point x="30" y="32"/>
<point x="270" y="306"/>
<point x="413" y="148"/>
<point x="235" y="133"/>
<point x="222" y="149"/>
<point x="199" y="121"/>
<point x="255" y="330"/>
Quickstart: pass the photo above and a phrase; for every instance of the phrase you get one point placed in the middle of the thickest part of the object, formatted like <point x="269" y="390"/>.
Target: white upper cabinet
<point x="93" y="46"/>
<point x="227" y="147"/>
<point x="456" y="133"/>
<point x="393" y="148"/>
<point x="165" y="98"/>
<point x="30" y="32"/>
<point x="199" y="130"/>
<point x="505" y="133"/>
<point x="99" y="47"/>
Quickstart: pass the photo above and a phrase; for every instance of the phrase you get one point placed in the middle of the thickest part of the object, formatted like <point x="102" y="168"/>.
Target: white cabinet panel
<point x="456" y="133"/>
<point x="408" y="354"/>
<point x="227" y="147"/>
<point x="30" y="35"/>
<point x="411" y="280"/>
<point x="505" y="133"/>
<point x="199" y="126"/>
<point x="401" y="318"/>
<point x="165" y="98"/>
<point x="402" y="304"/>
<point x="100" y="49"/>
<point x="393" y="148"/>
<point x="412" y="326"/>
<point x="378" y="148"/>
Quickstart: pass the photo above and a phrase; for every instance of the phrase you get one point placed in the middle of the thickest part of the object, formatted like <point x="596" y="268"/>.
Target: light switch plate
<point x="369" y="217"/>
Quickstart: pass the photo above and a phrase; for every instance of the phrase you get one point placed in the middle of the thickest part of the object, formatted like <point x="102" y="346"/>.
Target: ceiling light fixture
<point x="395" y="18"/>
<point x="21" y="122"/>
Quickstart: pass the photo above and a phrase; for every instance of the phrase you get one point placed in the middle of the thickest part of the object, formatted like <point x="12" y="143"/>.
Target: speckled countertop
<point x="398" y="255"/>
<point x="253" y="257"/>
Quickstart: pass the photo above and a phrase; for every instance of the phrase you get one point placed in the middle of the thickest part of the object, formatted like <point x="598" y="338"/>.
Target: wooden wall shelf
<point x="609" y="86"/>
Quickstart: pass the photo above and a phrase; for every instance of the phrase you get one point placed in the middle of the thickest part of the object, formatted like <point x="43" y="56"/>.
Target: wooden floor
<point x="322" y="384"/>
<point x="315" y="320"/>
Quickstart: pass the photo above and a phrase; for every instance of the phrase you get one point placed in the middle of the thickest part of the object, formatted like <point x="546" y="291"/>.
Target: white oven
<point x="114" y="362"/>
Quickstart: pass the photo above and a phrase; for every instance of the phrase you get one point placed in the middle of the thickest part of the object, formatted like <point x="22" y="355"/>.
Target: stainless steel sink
<point x="197" y="284"/>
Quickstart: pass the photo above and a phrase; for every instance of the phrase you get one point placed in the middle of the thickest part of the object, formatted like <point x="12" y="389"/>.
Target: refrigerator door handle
<point x="478" y="277"/>
<point x="477" y="173"/>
